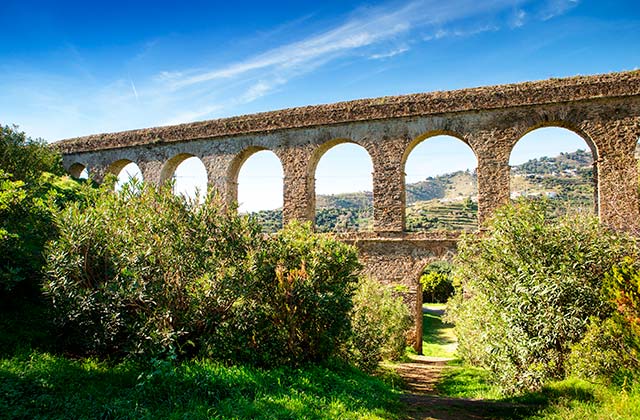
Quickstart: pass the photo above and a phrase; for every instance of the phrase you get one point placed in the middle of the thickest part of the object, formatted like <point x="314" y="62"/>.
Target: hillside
<point x="449" y="201"/>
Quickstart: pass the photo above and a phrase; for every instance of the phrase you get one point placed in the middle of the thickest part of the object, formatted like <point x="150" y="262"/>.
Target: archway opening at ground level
<point x="344" y="188"/>
<point x="260" y="189"/>
<point x="441" y="186"/>
<point x="556" y="164"/>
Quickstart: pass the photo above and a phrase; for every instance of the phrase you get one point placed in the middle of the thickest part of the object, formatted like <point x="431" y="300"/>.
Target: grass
<point x="46" y="386"/>
<point x="569" y="399"/>
<point x="37" y="382"/>
<point x="438" y="338"/>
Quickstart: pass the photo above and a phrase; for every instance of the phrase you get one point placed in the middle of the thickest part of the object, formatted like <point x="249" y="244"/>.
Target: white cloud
<point x="389" y="54"/>
<point x="518" y="19"/>
<point x="553" y="8"/>
<point x="82" y="103"/>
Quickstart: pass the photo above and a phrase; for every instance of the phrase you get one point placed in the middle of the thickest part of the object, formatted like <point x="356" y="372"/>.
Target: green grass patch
<point x="45" y="386"/>
<point x="461" y="381"/>
<point x="574" y="399"/>
<point x="438" y="338"/>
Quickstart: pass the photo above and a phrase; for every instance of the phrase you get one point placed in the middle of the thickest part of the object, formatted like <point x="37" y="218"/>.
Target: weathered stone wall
<point x="604" y="110"/>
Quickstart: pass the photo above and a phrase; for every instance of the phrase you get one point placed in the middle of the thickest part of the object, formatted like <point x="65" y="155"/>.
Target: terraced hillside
<point x="449" y="201"/>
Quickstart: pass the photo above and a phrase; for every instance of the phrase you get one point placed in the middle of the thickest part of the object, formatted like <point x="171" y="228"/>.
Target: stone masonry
<point x="603" y="109"/>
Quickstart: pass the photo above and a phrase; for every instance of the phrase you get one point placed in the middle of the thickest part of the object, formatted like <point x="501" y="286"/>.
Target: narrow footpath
<point x="422" y="373"/>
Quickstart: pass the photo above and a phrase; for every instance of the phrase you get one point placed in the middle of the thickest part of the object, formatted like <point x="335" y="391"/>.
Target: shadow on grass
<point x="434" y="330"/>
<point x="464" y="382"/>
<point x="37" y="382"/>
<point x="462" y="389"/>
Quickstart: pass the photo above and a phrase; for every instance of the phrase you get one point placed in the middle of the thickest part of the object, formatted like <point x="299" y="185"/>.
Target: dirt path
<point x="421" y="375"/>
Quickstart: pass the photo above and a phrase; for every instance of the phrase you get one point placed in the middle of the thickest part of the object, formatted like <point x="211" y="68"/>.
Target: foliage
<point x="32" y="189"/>
<point x="26" y="158"/>
<point x="527" y="290"/>
<point x="299" y="308"/>
<point x="380" y="323"/>
<point x="436" y="282"/>
<point x="45" y="386"/>
<point x="27" y="211"/>
<point x="623" y="289"/>
<point x="610" y="351"/>
<point x="606" y="353"/>
<point x="142" y="273"/>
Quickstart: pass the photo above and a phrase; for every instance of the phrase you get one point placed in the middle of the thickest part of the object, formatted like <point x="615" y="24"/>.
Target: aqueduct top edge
<point x="480" y="98"/>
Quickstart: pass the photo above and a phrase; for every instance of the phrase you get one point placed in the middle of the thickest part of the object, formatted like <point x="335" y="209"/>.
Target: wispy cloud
<point x="365" y="28"/>
<point x="205" y="89"/>
<point x="518" y="19"/>
<point x="553" y="8"/>
<point x="389" y="54"/>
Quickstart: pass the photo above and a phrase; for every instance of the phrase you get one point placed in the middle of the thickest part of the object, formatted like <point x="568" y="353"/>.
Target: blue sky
<point x="75" y="68"/>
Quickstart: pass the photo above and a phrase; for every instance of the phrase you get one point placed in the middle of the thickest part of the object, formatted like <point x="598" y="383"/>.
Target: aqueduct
<point x="603" y="109"/>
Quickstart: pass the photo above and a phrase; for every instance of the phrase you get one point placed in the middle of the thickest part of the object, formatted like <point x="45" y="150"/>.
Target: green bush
<point x="528" y="288"/>
<point x="139" y="272"/>
<point x="299" y="308"/>
<point x="610" y="351"/>
<point x="142" y="273"/>
<point x="380" y="323"/>
<point x="32" y="190"/>
<point x="26" y="158"/>
<point x="27" y="211"/>
<point x="606" y="353"/>
<point x="436" y="282"/>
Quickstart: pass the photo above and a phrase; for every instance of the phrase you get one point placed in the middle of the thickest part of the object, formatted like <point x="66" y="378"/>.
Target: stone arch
<point x="124" y="165"/>
<point x="448" y="209"/>
<point x="366" y="208"/>
<point x="78" y="170"/>
<point x="117" y="166"/>
<point x="430" y="134"/>
<point x="565" y="127"/>
<point x="543" y="122"/>
<point x="197" y="171"/>
<point x="265" y="188"/>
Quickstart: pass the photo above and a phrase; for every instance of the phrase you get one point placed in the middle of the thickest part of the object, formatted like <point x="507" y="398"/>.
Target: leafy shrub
<point x="607" y="352"/>
<point x="141" y="273"/>
<point x="26" y="158"/>
<point x="610" y="350"/>
<point x="622" y="288"/>
<point x="436" y="282"/>
<point x="527" y="290"/>
<point x="299" y="308"/>
<point x="379" y="323"/>
<point x="32" y="189"/>
<point x="27" y="212"/>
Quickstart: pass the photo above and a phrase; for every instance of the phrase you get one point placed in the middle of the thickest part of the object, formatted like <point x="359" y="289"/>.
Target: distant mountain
<point x="449" y="201"/>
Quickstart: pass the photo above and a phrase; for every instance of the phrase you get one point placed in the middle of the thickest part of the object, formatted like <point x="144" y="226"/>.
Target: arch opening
<point x="557" y="163"/>
<point x="189" y="178"/>
<point x="260" y="188"/>
<point x="79" y="171"/>
<point x="128" y="174"/>
<point x="343" y="188"/>
<point x="441" y="185"/>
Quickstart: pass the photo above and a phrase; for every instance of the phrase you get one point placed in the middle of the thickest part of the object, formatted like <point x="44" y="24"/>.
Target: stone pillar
<point x="617" y="167"/>
<point x="151" y="170"/>
<point x="388" y="185"/>
<point x="98" y="172"/>
<point x="299" y="185"/>
<point x="492" y="150"/>
<point x="221" y="177"/>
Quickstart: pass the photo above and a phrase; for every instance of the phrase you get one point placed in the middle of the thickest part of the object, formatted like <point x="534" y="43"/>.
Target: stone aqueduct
<point x="604" y="110"/>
